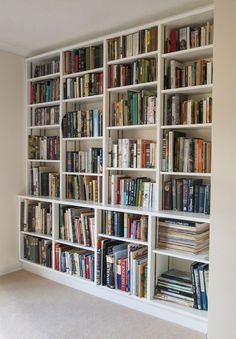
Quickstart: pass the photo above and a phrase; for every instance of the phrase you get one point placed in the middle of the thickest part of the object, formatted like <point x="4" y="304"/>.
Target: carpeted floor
<point x="32" y="307"/>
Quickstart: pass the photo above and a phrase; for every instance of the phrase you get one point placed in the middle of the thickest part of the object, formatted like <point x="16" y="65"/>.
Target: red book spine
<point x="123" y="275"/>
<point x="57" y="257"/>
<point x="87" y="273"/>
<point x="101" y="83"/>
<point x="173" y="41"/>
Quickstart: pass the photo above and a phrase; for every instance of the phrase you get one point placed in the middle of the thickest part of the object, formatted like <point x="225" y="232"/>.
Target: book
<point x="44" y="91"/>
<point x="38" y="250"/>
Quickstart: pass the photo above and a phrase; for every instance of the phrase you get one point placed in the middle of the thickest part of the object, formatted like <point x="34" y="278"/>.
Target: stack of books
<point x="185" y="236"/>
<point x="38" y="250"/>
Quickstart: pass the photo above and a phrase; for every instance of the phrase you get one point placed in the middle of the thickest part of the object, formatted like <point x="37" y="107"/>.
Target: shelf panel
<point x="81" y="174"/>
<point x="189" y="54"/>
<point x="128" y="127"/>
<point x="143" y="85"/>
<point x="188" y="126"/>
<point x="129" y="240"/>
<point x="45" y="77"/>
<point x="73" y="75"/>
<point x="198" y="217"/>
<point x="147" y="55"/>
<point x="44" y="127"/>
<point x="201" y="257"/>
<point x="189" y="90"/>
<point x="90" y="98"/>
<point x="74" y="244"/>
<point x="40" y="160"/>
<point x="186" y="174"/>
<point x="82" y="138"/>
<point x="131" y="169"/>
<point x="44" y="236"/>
<point x="45" y="104"/>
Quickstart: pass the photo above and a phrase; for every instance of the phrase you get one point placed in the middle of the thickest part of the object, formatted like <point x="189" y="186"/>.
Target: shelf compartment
<point x="74" y="244"/>
<point x="189" y="54"/>
<point x="151" y="84"/>
<point x="45" y="104"/>
<point x="201" y="257"/>
<point x="201" y="89"/>
<point x="148" y="55"/>
<point x="45" y="77"/>
<point x="129" y="240"/>
<point x="74" y="75"/>
<point x="90" y="98"/>
<point x="38" y="235"/>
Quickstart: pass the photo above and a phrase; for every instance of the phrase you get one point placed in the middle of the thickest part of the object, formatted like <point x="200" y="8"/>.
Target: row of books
<point x="74" y="261"/>
<point x="122" y="266"/>
<point x="125" y="225"/>
<point x="200" y="278"/>
<point x="180" y="110"/>
<point x="125" y="191"/>
<point x="44" y="91"/>
<point x="38" y="250"/>
<point x="87" y="188"/>
<point x="184" y="236"/>
<point x="133" y="108"/>
<point x="127" y="153"/>
<point x="83" y="86"/>
<point x="36" y="217"/>
<point x="183" y="154"/>
<point x="189" y="37"/>
<point x="143" y="41"/>
<point x="83" y="59"/>
<point x="44" y="147"/>
<point x="195" y="73"/>
<point x="44" y="181"/>
<point x="90" y="161"/>
<point x="188" y="195"/>
<point x="82" y="124"/>
<point x="140" y="71"/>
<point x="77" y="225"/>
<point x="46" y="68"/>
<point x="45" y="116"/>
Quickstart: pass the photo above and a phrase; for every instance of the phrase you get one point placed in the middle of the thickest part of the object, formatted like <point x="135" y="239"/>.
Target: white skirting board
<point x="10" y="268"/>
<point x="170" y="312"/>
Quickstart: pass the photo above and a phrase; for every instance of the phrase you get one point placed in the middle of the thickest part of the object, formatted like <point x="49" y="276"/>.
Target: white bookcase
<point x="159" y="260"/>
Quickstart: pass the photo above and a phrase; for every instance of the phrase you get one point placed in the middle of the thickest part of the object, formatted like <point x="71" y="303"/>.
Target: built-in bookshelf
<point x="119" y="166"/>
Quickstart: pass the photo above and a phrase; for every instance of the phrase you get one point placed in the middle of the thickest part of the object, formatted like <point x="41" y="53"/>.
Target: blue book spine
<point x="116" y="224"/>
<point x="203" y="287"/>
<point x="63" y="262"/>
<point x="95" y="123"/>
<point x="201" y="199"/>
<point x="185" y="194"/>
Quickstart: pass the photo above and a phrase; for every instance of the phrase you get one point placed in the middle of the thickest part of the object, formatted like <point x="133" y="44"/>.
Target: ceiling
<point x="28" y="27"/>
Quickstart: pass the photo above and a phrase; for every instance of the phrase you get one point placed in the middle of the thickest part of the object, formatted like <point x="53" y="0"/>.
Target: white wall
<point x="11" y="155"/>
<point x="222" y="314"/>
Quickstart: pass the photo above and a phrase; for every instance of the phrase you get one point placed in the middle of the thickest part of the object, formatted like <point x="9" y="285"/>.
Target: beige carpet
<point x="32" y="307"/>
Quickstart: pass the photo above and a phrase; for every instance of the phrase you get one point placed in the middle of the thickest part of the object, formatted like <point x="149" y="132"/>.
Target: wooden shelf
<point x="190" y="54"/>
<point x="74" y="244"/>
<point x="131" y="169"/>
<point x="189" y="90"/>
<point x="45" y="104"/>
<point x="187" y="174"/>
<point x="44" y="127"/>
<point x="78" y="74"/>
<point x="129" y="240"/>
<point x="45" y="77"/>
<point x="82" y="138"/>
<point x="143" y="85"/>
<point x="201" y="257"/>
<point x="37" y="235"/>
<point x="90" y="98"/>
<point x="82" y="173"/>
<point x="148" y="55"/>
<point x="130" y="127"/>
<point x="188" y="126"/>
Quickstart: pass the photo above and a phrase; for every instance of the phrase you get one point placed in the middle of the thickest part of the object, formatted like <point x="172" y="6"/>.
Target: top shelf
<point x="148" y="55"/>
<point x="190" y="54"/>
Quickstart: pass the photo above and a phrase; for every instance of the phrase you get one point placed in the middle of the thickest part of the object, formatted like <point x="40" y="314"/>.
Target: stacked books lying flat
<point x="46" y="68"/>
<point x="180" y="110"/>
<point x="36" y="217"/>
<point x="137" y="72"/>
<point x="133" y="108"/>
<point x="83" y="86"/>
<point x="127" y="153"/>
<point x="44" y="181"/>
<point x="196" y="73"/>
<point x="189" y="37"/>
<point x="129" y="226"/>
<point x="87" y="188"/>
<point x="83" y="59"/>
<point x="45" y="116"/>
<point x="44" y="91"/>
<point x="76" y="225"/>
<point x="82" y="124"/>
<point x="44" y="147"/>
<point x="188" y="195"/>
<point x="125" y="191"/>
<point x="143" y="41"/>
<point x="122" y="266"/>
<point x="74" y="261"/>
<point x="85" y="161"/>
<point x="183" y="154"/>
<point x="175" y="286"/>
<point x="38" y="250"/>
<point x="200" y="277"/>
<point x="185" y="236"/>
